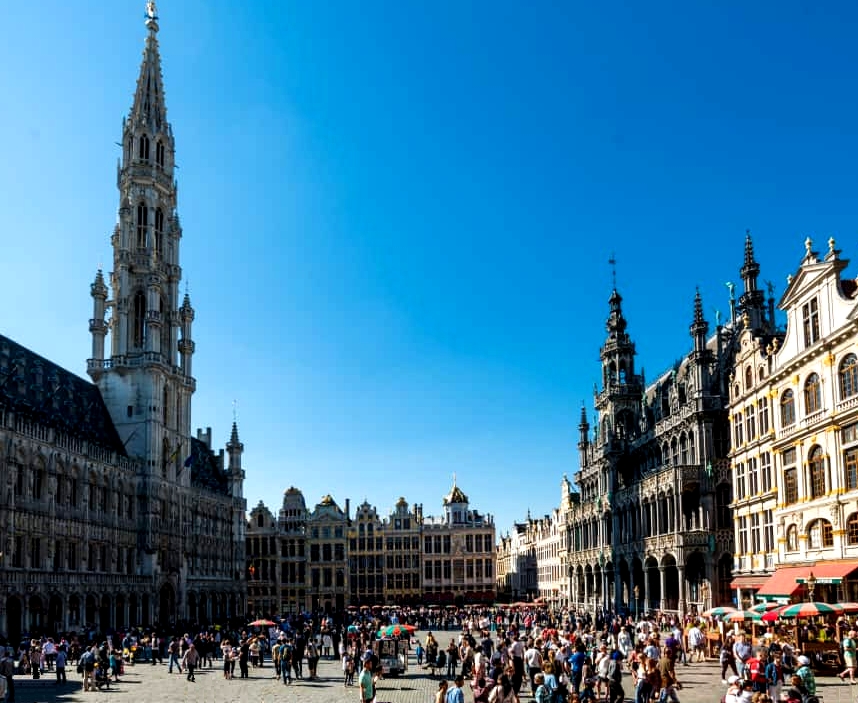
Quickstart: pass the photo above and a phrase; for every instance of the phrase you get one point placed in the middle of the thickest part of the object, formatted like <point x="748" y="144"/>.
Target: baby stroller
<point x="101" y="676"/>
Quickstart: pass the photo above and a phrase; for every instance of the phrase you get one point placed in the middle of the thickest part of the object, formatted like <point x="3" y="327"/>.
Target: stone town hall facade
<point x="113" y="514"/>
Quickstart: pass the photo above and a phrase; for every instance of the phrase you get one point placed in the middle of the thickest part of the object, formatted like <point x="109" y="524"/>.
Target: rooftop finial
<point x="151" y="16"/>
<point x="613" y="263"/>
<point x="235" y="411"/>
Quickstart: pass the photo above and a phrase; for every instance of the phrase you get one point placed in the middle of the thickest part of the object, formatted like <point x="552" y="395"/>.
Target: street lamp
<point x="811" y="585"/>
<point x="637" y="591"/>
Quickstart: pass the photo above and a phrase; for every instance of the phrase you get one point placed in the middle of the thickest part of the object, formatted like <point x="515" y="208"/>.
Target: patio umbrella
<point x="718" y="611"/>
<point x="847" y="607"/>
<point x="809" y="610"/>
<point x="743" y="616"/>
<point x="774" y="614"/>
<point x="765" y="607"/>
<point x="262" y="623"/>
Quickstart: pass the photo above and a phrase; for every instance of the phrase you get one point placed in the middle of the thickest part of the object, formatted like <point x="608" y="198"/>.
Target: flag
<point x="189" y="460"/>
<point x="176" y="451"/>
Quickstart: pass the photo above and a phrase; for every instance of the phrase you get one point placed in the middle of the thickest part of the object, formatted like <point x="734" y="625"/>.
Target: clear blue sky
<point x="397" y="215"/>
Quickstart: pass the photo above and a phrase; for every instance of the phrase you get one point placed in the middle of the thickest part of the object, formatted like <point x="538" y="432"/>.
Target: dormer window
<point x="143" y="148"/>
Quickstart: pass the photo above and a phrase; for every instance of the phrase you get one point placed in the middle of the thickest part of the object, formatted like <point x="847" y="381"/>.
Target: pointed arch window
<point x="159" y="231"/>
<point x="143" y="147"/>
<point x="848" y="376"/>
<point x="138" y="329"/>
<point x="812" y="394"/>
<point x="816" y="469"/>
<point x="787" y="408"/>
<point x="142" y="225"/>
<point x="159" y="153"/>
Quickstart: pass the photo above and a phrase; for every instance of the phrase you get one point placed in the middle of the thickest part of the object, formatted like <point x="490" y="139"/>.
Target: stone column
<point x="681" y="605"/>
<point x="647" y="576"/>
<point x="661" y="584"/>
<point x="618" y="590"/>
<point x="126" y="613"/>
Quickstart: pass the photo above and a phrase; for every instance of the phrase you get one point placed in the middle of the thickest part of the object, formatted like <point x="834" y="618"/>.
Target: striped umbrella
<point x="743" y="616"/>
<point x="847" y="607"/>
<point x="774" y="614"/>
<point x="718" y="611"/>
<point x="764" y="607"/>
<point x="809" y="610"/>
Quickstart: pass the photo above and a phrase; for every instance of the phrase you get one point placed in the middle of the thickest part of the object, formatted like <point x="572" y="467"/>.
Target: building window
<point x="159" y="231"/>
<point x="737" y="429"/>
<point x="812" y="395"/>
<point x="810" y="322"/>
<point x="159" y="153"/>
<point x="743" y="535"/>
<point x="852" y="529"/>
<point x="750" y="422"/>
<point x="792" y="538"/>
<point x="740" y="479"/>
<point x="143" y="147"/>
<point x="820" y="535"/>
<point x="753" y="477"/>
<point x="763" y="408"/>
<point x="848" y="377"/>
<point x="816" y="467"/>
<point x="749" y="378"/>
<point x="756" y="543"/>
<point x="787" y="408"/>
<point x="768" y="531"/>
<point x="790" y="486"/>
<point x="850" y="468"/>
<point x="766" y="472"/>
<point x="142" y="225"/>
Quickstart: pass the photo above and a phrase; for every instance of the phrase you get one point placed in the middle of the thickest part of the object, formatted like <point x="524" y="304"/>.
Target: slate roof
<point x="206" y="469"/>
<point x="40" y="391"/>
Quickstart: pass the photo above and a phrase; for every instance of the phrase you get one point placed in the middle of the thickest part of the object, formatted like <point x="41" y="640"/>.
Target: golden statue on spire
<point x="151" y="11"/>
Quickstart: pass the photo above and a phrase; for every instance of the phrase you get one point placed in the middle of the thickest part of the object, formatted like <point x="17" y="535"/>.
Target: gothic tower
<point x="146" y="381"/>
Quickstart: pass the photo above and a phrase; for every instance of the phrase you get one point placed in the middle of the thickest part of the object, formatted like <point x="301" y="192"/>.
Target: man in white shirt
<point x="533" y="662"/>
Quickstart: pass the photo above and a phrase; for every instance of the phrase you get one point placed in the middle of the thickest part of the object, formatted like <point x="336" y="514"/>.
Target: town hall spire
<point x="146" y="378"/>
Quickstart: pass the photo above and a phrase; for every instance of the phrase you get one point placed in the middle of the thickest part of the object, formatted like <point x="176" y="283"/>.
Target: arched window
<point x="159" y="230"/>
<point x="138" y="329"/>
<point x="852" y="529"/>
<point x="159" y="153"/>
<point x="142" y="225"/>
<point x="692" y="452"/>
<point x="143" y="147"/>
<point x="816" y="469"/>
<point x="792" y="538"/>
<point x="812" y="394"/>
<point x="749" y="378"/>
<point x="787" y="408"/>
<point x="683" y="448"/>
<point x="674" y="447"/>
<point x="848" y="376"/>
<point x="820" y="535"/>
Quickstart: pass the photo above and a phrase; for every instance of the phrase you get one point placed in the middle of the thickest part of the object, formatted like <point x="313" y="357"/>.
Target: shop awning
<point x="788" y="579"/>
<point x="784" y="582"/>
<point x="749" y="581"/>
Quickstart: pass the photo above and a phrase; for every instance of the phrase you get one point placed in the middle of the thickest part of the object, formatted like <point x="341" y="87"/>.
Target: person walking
<point x="190" y="661"/>
<point x="849" y="658"/>
<point x="366" y="683"/>
<point x="456" y="694"/>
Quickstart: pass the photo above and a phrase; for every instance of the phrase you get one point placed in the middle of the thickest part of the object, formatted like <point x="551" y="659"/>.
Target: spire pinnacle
<point x="149" y="108"/>
<point x="749" y="249"/>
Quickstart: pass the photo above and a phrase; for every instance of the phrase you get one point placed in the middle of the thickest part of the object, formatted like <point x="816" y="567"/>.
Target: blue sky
<point x="397" y="215"/>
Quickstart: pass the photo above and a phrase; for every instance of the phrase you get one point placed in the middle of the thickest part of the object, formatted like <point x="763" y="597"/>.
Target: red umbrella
<point x="772" y="615"/>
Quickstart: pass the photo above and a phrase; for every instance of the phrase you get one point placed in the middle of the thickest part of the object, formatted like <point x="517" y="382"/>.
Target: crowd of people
<point x="500" y="654"/>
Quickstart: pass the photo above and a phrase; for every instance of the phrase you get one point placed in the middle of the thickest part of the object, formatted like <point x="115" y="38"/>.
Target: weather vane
<point x="613" y="263"/>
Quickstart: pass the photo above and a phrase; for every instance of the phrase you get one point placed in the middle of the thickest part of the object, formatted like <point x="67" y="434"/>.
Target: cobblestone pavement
<point x="701" y="684"/>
